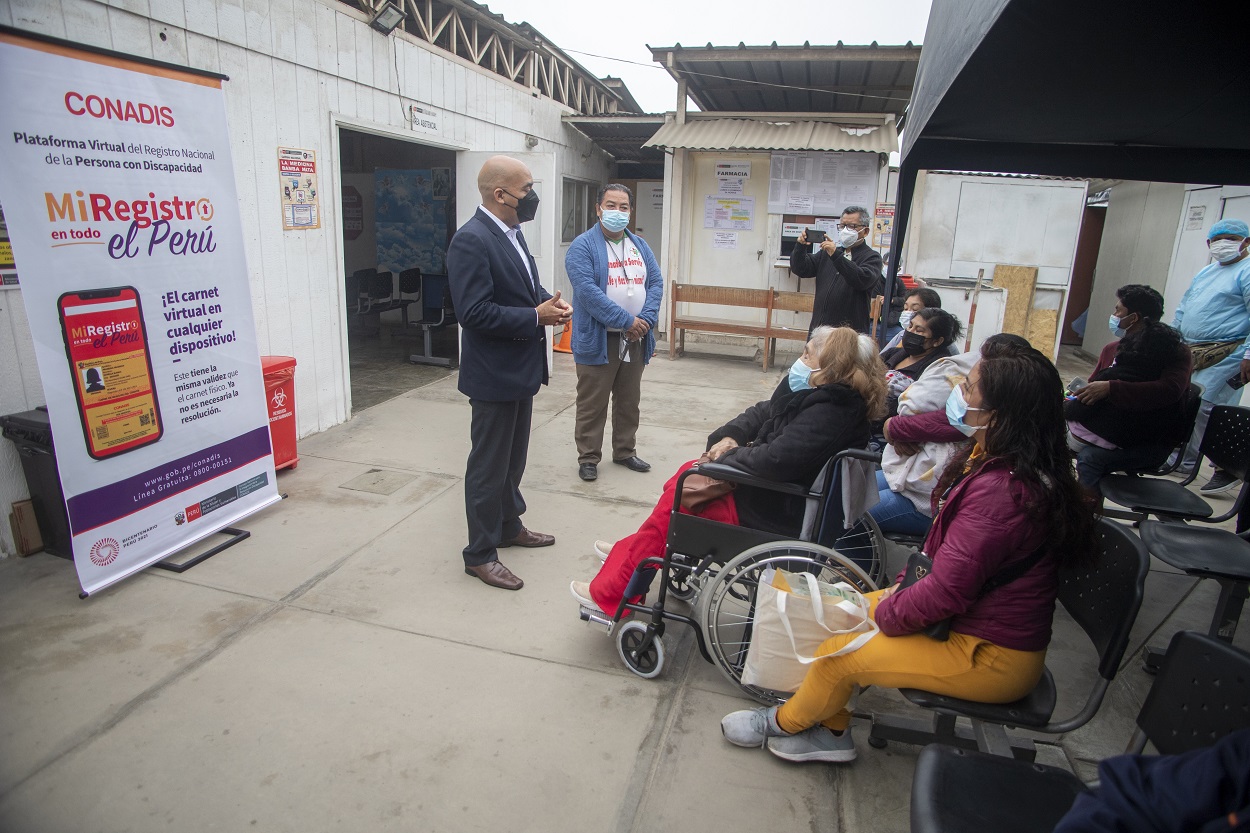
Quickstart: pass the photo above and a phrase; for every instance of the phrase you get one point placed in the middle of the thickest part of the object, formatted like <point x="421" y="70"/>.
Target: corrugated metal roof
<point x="791" y="79"/>
<point x="754" y="134"/>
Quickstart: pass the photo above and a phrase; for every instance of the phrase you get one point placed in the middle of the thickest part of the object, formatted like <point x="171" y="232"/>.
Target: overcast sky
<point x="624" y="30"/>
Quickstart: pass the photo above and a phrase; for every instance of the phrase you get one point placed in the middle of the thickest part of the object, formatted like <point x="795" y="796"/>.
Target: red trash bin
<point x="280" y="394"/>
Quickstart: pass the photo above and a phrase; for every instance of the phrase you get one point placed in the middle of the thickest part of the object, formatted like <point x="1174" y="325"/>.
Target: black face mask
<point x="913" y="344"/>
<point x="526" y="206"/>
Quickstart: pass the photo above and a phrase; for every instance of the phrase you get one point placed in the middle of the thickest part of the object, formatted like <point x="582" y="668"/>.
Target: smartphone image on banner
<point x="107" y="345"/>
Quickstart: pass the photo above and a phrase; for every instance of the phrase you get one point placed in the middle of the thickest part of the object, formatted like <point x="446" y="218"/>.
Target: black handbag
<point x="920" y="565"/>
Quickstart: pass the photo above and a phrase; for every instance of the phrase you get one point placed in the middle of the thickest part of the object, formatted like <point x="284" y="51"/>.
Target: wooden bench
<point x="768" y="300"/>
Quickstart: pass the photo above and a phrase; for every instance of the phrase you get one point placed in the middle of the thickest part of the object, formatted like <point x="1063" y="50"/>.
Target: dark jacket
<point x="891" y="358"/>
<point x="1199" y="790"/>
<point x="789" y="438"/>
<point x="843" y="286"/>
<point x="1149" y="376"/>
<point x="984" y="525"/>
<point x="503" y="351"/>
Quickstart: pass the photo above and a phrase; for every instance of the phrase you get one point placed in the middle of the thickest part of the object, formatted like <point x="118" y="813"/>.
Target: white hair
<point x="867" y="348"/>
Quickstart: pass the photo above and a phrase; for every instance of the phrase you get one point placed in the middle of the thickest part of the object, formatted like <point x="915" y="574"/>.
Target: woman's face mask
<point x="957" y="409"/>
<point x="800" y="376"/>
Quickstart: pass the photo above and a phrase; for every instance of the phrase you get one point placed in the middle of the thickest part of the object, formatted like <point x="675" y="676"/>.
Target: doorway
<point x="399" y="213"/>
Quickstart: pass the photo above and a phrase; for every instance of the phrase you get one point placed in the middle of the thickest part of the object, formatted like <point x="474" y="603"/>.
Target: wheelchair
<point x="716" y="568"/>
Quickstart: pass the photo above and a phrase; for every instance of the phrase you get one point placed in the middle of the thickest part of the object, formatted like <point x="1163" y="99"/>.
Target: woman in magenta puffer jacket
<point x="1008" y="506"/>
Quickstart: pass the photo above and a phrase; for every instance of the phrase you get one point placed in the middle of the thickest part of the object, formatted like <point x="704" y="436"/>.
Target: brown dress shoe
<point x="496" y="575"/>
<point x="525" y="538"/>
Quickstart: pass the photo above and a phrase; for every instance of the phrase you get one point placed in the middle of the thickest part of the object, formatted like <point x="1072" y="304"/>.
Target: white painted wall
<point x="964" y="223"/>
<point x="1138" y="242"/>
<point x="299" y="69"/>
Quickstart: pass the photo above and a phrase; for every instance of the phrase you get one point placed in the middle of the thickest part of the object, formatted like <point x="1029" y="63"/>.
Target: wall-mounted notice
<point x="737" y="213"/>
<point x="724" y="240"/>
<point x="812" y="182"/>
<point x="120" y="201"/>
<point x="297" y="170"/>
<point x="883" y="226"/>
<point x="731" y="178"/>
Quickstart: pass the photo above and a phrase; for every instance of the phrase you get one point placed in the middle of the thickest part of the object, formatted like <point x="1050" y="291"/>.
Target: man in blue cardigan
<point x="618" y="288"/>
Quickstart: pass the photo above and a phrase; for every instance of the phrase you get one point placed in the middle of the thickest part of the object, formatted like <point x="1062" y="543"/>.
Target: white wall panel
<point x="85" y="23"/>
<point x="201" y="17"/>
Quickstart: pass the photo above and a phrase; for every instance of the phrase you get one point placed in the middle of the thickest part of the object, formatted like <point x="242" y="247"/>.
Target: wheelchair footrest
<point x="596" y="617"/>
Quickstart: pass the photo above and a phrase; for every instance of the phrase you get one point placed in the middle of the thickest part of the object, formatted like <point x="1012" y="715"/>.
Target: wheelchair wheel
<point x="683" y="586"/>
<point x="646" y="659"/>
<point x="864" y="543"/>
<point x="728" y="600"/>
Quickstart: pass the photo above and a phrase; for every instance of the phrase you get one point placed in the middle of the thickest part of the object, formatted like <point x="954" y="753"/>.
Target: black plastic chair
<point x="1103" y="597"/>
<point x="409" y="290"/>
<point x="436" y="311"/>
<point x="1203" y="552"/>
<point x="1198" y="698"/>
<point x="1226" y="443"/>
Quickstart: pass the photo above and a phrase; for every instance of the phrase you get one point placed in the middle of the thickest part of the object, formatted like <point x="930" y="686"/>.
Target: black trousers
<point x="500" y="434"/>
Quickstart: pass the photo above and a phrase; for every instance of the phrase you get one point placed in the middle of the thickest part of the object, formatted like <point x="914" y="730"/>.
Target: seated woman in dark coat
<point x="927" y="338"/>
<point x="823" y="406"/>
<point x="1132" y="413"/>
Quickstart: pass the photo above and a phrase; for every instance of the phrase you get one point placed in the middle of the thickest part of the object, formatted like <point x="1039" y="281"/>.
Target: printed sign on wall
<point x="297" y="172"/>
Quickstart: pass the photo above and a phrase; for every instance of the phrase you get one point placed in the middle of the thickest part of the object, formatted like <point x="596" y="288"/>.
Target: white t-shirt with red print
<point x="627" y="275"/>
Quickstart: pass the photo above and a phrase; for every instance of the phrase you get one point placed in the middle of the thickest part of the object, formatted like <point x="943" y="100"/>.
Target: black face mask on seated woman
<point x="913" y="344"/>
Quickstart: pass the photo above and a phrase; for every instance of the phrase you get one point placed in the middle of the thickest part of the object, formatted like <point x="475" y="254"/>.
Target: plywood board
<point x="1019" y="282"/>
<point x="1043" y="324"/>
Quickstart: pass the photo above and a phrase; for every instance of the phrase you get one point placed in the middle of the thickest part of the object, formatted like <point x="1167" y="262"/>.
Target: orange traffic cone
<point x="562" y="346"/>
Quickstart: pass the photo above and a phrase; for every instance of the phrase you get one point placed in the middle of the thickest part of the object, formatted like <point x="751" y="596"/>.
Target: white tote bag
<point x="794" y="614"/>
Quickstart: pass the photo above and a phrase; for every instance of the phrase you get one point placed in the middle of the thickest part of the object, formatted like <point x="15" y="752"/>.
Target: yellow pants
<point x="964" y="666"/>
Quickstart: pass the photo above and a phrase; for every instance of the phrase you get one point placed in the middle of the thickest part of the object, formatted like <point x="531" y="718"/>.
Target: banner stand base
<point x="236" y="535"/>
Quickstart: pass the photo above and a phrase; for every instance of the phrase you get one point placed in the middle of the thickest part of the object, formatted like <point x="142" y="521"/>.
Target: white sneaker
<point x="581" y="592"/>
<point x="751" y="727"/>
<point x="815" y="744"/>
<point x="602" y="549"/>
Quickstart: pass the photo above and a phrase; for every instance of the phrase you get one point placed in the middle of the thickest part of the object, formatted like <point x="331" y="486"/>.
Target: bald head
<point x="501" y="172"/>
<point x="503" y="182"/>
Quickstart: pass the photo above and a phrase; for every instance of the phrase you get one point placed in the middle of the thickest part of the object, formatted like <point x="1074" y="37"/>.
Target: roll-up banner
<point x="117" y="185"/>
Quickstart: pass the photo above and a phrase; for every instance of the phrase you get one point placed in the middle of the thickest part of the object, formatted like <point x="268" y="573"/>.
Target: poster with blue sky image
<point x="411" y="224"/>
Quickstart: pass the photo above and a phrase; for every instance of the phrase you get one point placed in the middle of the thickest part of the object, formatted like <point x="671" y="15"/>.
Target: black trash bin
<point x="31" y="432"/>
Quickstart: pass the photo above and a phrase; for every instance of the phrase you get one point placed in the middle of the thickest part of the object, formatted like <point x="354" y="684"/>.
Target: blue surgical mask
<point x="1116" y="330"/>
<point x="800" y="376"/>
<point x="956" y="409"/>
<point x="905" y="317"/>
<point x="614" y="220"/>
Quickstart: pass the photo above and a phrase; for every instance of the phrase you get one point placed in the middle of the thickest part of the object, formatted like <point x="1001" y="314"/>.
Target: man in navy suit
<point x="503" y="310"/>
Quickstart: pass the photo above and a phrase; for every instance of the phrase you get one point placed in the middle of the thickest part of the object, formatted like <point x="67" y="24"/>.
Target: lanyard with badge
<point x="629" y="288"/>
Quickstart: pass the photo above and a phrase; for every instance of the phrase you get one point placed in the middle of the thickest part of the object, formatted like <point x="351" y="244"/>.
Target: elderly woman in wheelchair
<point x="1007" y="514"/>
<point x="823" y="406"/>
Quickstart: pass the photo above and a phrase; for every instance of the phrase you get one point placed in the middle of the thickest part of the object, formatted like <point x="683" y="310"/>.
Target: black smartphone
<point x="1235" y="382"/>
<point x="815" y="236"/>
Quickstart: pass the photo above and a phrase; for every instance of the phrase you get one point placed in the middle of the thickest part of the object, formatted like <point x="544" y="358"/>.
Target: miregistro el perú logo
<point x="104" y="552"/>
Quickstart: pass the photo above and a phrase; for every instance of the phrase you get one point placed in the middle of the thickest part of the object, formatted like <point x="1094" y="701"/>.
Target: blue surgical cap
<point x="1237" y="227"/>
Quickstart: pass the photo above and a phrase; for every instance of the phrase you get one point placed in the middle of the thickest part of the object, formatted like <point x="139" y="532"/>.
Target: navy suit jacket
<point x="503" y="351"/>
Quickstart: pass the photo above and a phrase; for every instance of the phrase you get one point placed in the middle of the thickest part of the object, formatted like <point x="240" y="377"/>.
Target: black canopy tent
<point x="1147" y="91"/>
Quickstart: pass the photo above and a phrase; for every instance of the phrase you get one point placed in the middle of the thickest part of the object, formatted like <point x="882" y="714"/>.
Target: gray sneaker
<point x="751" y="727"/>
<point x="815" y="744"/>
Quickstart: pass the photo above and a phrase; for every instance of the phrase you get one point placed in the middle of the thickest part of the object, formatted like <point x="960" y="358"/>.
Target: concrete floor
<point x="338" y="671"/>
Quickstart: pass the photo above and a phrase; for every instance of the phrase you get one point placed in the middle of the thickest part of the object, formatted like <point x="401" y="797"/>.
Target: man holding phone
<point x="847" y="271"/>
